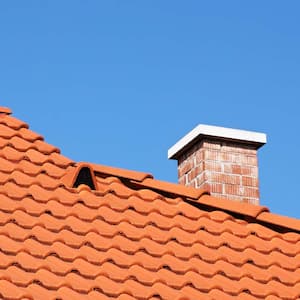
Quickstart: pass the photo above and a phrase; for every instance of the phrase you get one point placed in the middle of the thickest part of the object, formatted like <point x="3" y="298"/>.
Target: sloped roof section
<point x="124" y="235"/>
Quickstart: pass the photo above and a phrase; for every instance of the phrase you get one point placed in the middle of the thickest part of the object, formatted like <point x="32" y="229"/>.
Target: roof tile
<point x="6" y="132"/>
<point x="12" y="154"/>
<point x="44" y="147"/>
<point x="29" y="135"/>
<point x="36" y="157"/>
<point x="133" y="237"/>
<point x="5" y="110"/>
<point x="20" y="144"/>
<point x="172" y="188"/>
<point x="6" y="165"/>
<point x="13" y="122"/>
<point x="280" y="220"/>
<point x="121" y="173"/>
<point x="60" y="160"/>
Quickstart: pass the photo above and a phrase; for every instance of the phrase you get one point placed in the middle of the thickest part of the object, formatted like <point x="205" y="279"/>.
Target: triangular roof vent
<point x="82" y="174"/>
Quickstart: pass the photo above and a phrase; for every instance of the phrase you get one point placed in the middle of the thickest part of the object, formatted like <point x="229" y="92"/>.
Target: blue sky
<point x="119" y="82"/>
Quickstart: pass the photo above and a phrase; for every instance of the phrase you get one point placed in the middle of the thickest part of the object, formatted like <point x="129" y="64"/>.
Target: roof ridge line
<point x="246" y="209"/>
<point x="173" y="188"/>
<point x="257" y="212"/>
<point x="279" y="220"/>
<point x="200" y="196"/>
<point x="5" y="110"/>
<point x="120" y="172"/>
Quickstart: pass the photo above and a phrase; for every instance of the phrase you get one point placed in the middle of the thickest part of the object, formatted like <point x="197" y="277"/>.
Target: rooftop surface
<point x="72" y="230"/>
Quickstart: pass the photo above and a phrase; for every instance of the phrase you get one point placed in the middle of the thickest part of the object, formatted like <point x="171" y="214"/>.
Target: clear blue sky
<point x="119" y="82"/>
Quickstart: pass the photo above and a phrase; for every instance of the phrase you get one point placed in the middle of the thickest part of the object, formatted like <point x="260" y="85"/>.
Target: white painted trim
<point x="244" y="136"/>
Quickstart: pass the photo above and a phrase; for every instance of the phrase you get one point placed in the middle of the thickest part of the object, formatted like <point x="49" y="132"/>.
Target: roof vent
<point x="83" y="173"/>
<point x="84" y="176"/>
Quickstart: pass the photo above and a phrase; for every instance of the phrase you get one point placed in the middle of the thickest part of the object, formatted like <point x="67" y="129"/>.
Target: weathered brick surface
<point x="229" y="170"/>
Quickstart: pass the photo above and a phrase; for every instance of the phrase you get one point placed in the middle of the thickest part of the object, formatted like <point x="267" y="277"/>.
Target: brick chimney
<point x="221" y="159"/>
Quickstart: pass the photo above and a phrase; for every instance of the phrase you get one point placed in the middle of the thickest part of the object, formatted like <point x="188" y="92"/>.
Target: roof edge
<point x="5" y="110"/>
<point x="279" y="220"/>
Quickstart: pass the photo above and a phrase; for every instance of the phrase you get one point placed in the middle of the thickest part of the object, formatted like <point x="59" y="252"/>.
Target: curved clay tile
<point x="120" y="234"/>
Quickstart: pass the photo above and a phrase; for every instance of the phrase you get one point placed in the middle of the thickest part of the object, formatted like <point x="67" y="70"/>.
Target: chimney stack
<point x="224" y="160"/>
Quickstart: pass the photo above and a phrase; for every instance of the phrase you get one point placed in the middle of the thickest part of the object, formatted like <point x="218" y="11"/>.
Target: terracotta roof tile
<point x="280" y="220"/>
<point x="172" y="188"/>
<point x="13" y="122"/>
<point x="129" y="236"/>
<point x="19" y="143"/>
<point x="121" y="173"/>
<point x="45" y="147"/>
<point x="6" y="131"/>
<point x="5" y="110"/>
<point x="29" y="135"/>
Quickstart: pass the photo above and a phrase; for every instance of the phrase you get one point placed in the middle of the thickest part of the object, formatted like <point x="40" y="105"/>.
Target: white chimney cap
<point x="256" y="139"/>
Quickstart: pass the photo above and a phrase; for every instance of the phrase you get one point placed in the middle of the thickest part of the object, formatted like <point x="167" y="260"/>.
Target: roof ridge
<point x="27" y="140"/>
<point x="105" y="231"/>
<point x="173" y="188"/>
<point x="146" y="180"/>
<point x="5" y="110"/>
<point x="191" y="194"/>
<point x="119" y="172"/>
<point x="279" y="220"/>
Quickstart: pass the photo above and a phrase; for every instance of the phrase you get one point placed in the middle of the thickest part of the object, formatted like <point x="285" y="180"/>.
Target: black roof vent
<point x="84" y="176"/>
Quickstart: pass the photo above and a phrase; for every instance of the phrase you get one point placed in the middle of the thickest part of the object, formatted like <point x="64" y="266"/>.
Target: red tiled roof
<point x="132" y="237"/>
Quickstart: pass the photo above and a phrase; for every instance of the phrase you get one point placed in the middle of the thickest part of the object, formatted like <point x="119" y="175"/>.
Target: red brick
<point x="211" y="145"/>
<point x="236" y="169"/>
<point x="231" y="189"/>
<point x="250" y="181"/>
<point x="205" y="186"/>
<point x="250" y="200"/>
<point x="193" y="183"/>
<point x="249" y="160"/>
<point x="249" y="170"/>
<point x="201" y="178"/>
<point x="231" y="157"/>
<point x="212" y="155"/>
<point x="216" y="188"/>
<point x="229" y="169"/>
<point x="230" y="148"/>
<point x="182" y="180"/>
<point x="251" y="192"/>
<point x="185" y="167"/>
<point x="212" y="166"/>
<point x="194" y="173"/>
<point x="226" y="157"/>
<point x="237" y="158"/>
<point x="238" y="148"/>
<point x="199" y="156"/>
<point x="225" y="178"/>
